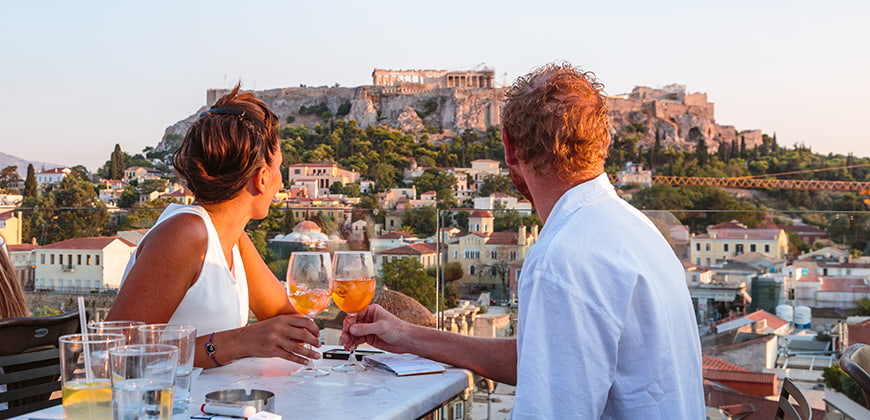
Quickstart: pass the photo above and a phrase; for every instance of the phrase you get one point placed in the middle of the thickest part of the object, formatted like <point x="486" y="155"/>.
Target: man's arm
<point x="494" y="358"/>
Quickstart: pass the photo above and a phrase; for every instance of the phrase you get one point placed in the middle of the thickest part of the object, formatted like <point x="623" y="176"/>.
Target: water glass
<point x="126" y="328"/>
<point x="183" y="337"/>
<point x="142" y="378"/>
<point x="85" y="375"/>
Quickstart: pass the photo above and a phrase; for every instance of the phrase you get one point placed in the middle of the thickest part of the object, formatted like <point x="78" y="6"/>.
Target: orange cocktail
<point x="353" y="295"/>
<point x="308" y="302"/>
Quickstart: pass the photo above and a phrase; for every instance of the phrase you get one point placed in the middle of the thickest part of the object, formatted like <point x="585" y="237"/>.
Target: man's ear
<point x="510" y="152"/>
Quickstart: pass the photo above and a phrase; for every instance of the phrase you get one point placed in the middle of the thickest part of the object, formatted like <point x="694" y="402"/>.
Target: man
<point x="606" y="327"/>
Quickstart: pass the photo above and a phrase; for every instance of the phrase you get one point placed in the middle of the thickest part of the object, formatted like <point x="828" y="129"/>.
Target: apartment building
<point x="82" y="265"/>
<point x="728" y="240"/>
<point x="321" y="175"/>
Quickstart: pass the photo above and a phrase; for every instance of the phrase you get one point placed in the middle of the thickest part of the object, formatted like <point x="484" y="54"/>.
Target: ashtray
<point x="259" y="399"/>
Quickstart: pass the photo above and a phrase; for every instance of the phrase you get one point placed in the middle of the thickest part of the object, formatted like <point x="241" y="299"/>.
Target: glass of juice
<point x="85" y="375"/>
<point x="142" y="381"/>
<point x="353" y="288"/>
<point x="308" y="278"/>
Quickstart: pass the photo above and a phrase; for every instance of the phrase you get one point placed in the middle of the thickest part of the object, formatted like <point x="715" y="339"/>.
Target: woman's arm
<point x="168" y="262"/>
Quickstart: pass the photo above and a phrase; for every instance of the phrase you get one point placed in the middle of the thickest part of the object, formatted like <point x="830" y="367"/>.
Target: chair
<point x="787" y="411"/>
<point x="30" y="361"/>
<point x="855" y="361"/>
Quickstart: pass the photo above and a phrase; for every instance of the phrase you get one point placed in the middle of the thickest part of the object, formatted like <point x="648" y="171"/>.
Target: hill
<point x="9" y="160"/>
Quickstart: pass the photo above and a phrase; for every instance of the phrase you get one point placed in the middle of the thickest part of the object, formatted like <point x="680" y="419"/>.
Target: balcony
<point x="69" y="268"/>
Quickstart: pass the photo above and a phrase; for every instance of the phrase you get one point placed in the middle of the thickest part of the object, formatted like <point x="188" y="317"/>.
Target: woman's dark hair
<point x="225" y="147"/>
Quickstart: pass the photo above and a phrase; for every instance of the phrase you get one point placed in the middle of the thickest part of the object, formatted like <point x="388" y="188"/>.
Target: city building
<point x="141" y="174"/>
<point x="634" y="174"/>
<point x="425" y="253"/>
<point x="322" y="175"/>
<point x="22" y="259"/>
<point x="52" y="176"/>
<point x="10" y="226"/>
<point x="727" y="240"/>
<point x="82" y="265"/>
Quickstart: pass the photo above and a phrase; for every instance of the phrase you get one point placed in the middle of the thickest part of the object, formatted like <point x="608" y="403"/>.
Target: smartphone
<point x="345" y="354"/>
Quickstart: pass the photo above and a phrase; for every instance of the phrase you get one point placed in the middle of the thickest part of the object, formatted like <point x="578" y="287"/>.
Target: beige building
<point x="727" y="240"/>
<point x="323" y="175"/>
<point x="82" y="265"/>
<point x="425" y="253"/>
<point x="22" y="259"/>
<point x="10" y="227"/>
<point x="486" y="256"/>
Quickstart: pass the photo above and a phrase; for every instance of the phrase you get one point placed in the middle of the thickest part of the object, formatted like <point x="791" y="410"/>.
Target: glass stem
<point x="352" y="357"/>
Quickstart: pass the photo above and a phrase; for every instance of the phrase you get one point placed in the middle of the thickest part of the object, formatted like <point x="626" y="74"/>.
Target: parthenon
<point x="435" y="79"/>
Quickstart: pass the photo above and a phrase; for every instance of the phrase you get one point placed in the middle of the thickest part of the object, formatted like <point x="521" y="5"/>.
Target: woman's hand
<point x="281" y="336"/>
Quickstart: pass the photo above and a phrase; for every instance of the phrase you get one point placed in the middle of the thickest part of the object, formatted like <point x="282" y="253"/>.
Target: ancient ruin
<point x="418" y="80"/>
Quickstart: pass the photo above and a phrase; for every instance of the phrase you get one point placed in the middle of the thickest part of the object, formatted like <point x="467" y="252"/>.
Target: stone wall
<point x="97" y="304"/>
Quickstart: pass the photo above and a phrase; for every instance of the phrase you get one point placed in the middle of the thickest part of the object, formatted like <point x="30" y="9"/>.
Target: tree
<point x="71" y="210"/>
<point x="129" y="197"/>
<point x="8" y="175"/>
<point x="701" y="152"/>
<point x="421" y="220"/>
<point x="407" y="275"/>
<point x="116" y="165"/>
<point x="496" y="184"/>
<point x="30" y="186"/>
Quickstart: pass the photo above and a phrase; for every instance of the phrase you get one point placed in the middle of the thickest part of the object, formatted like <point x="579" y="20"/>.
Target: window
<point x="471" y="270"/>
<point x="707" y="246"/>
<point x="766" y="248"/>
<point x="384" y="259"/>
<point x="738" y="249"/>
<point x="297" y="171"/>
<point x="513" y="255"/>
<point x="725" y="246"/>
<point x="697" y="246"/>
<point x="79" y="259"/>
<point x="458" y="411"/>
<point x="493" y="254"/>
<point x="455" y="254"/>
<point x="42" y="258"/>
<point x="708" y="261"/>
<point x="89" y="259"/>
<point x="752" y="247"/>
<point x="97" y="260"/>
<point x="698" y="261"/>
<point x="52" y="259"/>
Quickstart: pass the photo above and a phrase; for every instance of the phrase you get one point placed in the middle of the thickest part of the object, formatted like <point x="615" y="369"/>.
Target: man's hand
<point x="377" y="327"/>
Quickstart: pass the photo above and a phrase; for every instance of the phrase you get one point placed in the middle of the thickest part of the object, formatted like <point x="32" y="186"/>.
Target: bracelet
<point x="210" y="349"/>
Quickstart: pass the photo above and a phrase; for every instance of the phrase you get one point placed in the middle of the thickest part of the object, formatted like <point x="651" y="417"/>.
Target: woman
<point x="198" y="266"/>
<point x="12" y="302"/>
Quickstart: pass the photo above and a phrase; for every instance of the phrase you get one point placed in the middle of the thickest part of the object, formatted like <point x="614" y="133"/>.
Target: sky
<point x="79" y="77"/>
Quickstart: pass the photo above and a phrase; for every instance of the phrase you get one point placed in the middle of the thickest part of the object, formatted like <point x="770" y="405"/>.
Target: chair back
<point x="785" y="410"/>
<point x="30" y="361"/>
<point x="855" y="361"/>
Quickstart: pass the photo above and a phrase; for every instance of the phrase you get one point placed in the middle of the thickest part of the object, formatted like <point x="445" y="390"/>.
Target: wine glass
<point x="353" y="288"/>
<point x="308" y="279"/>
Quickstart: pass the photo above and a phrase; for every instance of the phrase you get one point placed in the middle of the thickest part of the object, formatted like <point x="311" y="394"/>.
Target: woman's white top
<point x="218" y="300"/>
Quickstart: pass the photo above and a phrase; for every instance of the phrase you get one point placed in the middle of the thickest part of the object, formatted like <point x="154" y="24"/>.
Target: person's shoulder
<point x="185" y="232"/>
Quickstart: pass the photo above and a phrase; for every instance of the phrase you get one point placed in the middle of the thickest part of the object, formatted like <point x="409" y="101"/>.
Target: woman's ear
<point x="260" y="179"/>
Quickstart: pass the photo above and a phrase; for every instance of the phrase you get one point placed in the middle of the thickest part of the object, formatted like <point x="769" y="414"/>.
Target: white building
<point x="52" y="176"/>
<point x="81" y="265"/>
<point x="323" y="175"/>
<point x="503" y="201"/>
<point x="634" y="174"/>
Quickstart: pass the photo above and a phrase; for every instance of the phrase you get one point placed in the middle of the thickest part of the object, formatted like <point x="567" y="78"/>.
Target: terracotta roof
<point x="55" y="171"/>
<point x="503" y="238"/>
<point x="319" y="165"/>
<point x="835" y="264"/>
<point x="480" y="213"/>
<point x="733" y="224"/>
<point x="844" y="284"/>
<point x="21" y="247"/>
<point x="768" y="234"/>
<point x="812" y="277"/>
<point x="773" y="321"/>
<point x="396" y="235"/>
<point x="98" y="242"/>
<point x="412" y="249"/>
<point x="710" y="362"/>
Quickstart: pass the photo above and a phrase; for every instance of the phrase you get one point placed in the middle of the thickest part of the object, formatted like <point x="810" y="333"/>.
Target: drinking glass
<point x="128" y="329"/>
<point x="353" y="288"/>
<point x="183" y="337"/>
<point x="308" y="277"/>
<point x="85" y="376"/>
<point x="142" y="377"/>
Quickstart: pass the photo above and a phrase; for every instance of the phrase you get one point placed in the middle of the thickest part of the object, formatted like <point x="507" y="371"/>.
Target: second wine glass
<point x="308" y="280"/>
<point x="353" y="288"/>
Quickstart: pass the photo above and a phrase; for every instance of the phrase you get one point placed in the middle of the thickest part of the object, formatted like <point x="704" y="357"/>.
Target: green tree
<point x="116" y="163"/>
<point x="421" y="220"/>
<point x="71" y="210"/>
<point x="8" y="175"/>
<point x="862" y="307"/>
<point x="496" y="184"/>
<point x="129" y="197"/>
<point x="838" y="380"/>
<point x="408" y="276"/>
<point x="30" y="186"/>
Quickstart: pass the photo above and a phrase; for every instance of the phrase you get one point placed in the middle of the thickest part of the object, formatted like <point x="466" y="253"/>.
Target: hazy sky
<point x="80" y="76"/>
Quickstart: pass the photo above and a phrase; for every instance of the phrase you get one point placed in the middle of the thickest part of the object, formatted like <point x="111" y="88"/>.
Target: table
<point x="373" y="394"/>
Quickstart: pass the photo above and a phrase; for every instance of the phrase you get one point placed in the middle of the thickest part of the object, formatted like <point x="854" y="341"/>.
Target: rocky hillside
<point x="677" y="119"/>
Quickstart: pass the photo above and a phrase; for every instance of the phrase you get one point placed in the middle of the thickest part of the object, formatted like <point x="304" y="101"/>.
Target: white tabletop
<point x="373" y="394"/>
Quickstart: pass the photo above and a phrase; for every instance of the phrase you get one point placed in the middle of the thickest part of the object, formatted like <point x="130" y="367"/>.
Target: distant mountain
<point x="9" y="160"/>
